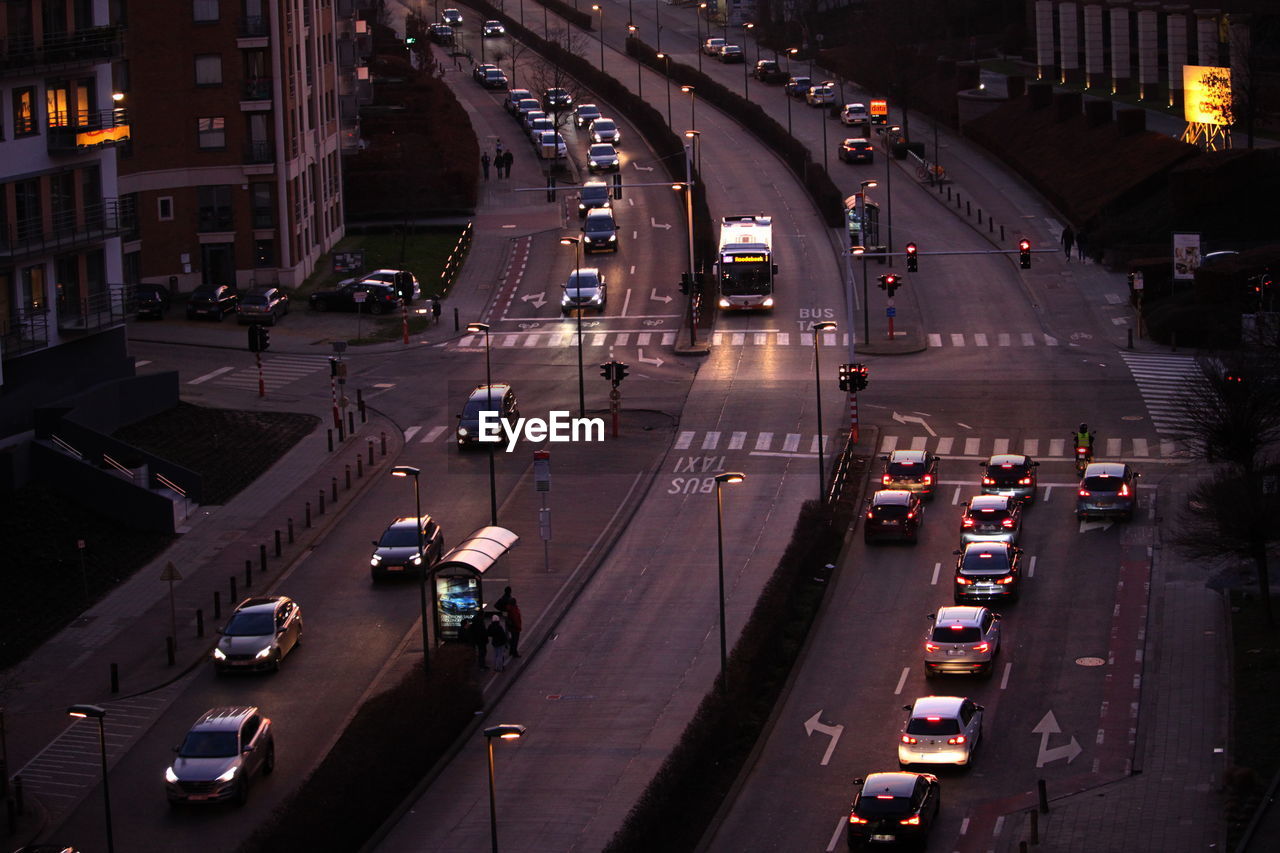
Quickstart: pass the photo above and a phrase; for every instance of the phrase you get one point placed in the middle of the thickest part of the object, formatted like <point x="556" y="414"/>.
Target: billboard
<point x="1186" y="256"/>
<point x="1206" y="94"/>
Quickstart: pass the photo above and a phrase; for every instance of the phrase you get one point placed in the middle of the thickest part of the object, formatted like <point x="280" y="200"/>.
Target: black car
<point x="379" y="298"/>
<point x="212" y="300"/>
<point x="987" y="571"/>
<point x="151" y="300"/>
<point x="767" y="71"/>
<point x="396" y="551"/>
<point x="855" y="150"/>
<point x="556" y="100"/>
<point x="895" y="514"/>
<point x="893" y="807"/>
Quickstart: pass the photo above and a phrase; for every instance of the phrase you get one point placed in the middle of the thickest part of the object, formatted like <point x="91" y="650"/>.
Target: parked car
<point x="940" y="730"/>
<point x="396" y="550"/>
<point x="539" y="126"/>
<point x="477" y="71"/>
<point x="151" y="300"/>
<point x="1107" y="489"/>
<point x="797" y="87"/>
<point x="441" y="34"/>
<point x="405" y="282"/>
<point x="893" y="513"/>
<point x="584" y="114"/>
<point x="261" y="631"/>
<point x="499" y="398"/>
<point x="586" y="288"/>
<point x="711" y="47"/>
<point x="962" y="640"/>
<point x="513" y="99"/>
<point x="492" y="29"/>
<point x="530" y="116"/>
<point x="495" y="79"/>
<point x="768" y="71"/>
<point x="525" y="106"/>
<point x="223" y="750"/>
<point x="212" y="300"/>
<point x="379" y="298"/>
<point x="599" y="232"/>
<point x="593" y="194"/>
<point x="821" y="95"/>
<point x="857" y="150"/>
<point x="263" y="305"/>
<point x="854" y="114"/>
<point x="605" y="130"/>
<point x="894" y="807"/>
<point x="731" y="53"/>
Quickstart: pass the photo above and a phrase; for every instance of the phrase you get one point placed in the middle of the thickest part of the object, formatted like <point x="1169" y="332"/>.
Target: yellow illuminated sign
<point x="879" y="108"/>
<point x="1206" y="94"/>
<point x="747" y="259"/>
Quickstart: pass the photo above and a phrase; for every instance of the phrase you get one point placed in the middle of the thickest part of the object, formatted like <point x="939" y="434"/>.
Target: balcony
<point x="93" y="311"/>
<point x="24" y="56"/>
<point x="258" y="89"/>
<point x="68" y="230"/>
<point x="253" y="27"/>
<point x="69" y="133"/>
<point x="259" y="152"/>
<point x="27" y="332"/>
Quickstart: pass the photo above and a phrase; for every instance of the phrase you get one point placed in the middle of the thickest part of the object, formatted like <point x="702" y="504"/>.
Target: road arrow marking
<point x="656" y="362"/>
<point x="653" y="294"/>
<point x="812" y="725"/>
<point x="1094" y="525"/>
<point x="640" y="168"/>
<point x="538" y="299"/>
<point x="913" y="419"/>
<point x="1048" y="725"/>
<point x="655" y="224"/>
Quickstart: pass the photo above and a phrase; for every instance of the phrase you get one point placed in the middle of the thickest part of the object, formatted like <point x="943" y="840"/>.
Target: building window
<point x="264" y="253"/>
<point x="211" y="132"/>
<point x="24" y="111"/>
<point x="264" y="205"/>
<point x="209" y="69"/>
<point x="164" y="208"/>
<point x="214" y="204"/>
<point x="204" y="10"/>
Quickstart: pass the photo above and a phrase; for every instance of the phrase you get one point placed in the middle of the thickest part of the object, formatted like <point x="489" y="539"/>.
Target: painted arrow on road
<point x="640" y="168"/>
<point x="812" y="725"/>
<point x="1048" y="725"/>
<point x="538" y="299"/>
<point x="1095" y="525"/>
<point x="656" y="362"/>
<point x="655" y="224"/>
<point x="653" y="294"/>
<point x="914" y="419"/>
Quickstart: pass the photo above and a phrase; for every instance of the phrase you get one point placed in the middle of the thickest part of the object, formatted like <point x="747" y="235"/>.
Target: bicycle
<point x="931" y="172"/>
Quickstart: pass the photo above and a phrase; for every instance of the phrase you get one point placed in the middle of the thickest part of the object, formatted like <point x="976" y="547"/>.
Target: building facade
<point x="238" y="179"/>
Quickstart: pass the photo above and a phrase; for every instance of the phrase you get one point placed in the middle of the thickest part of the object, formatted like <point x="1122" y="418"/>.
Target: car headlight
<point x="264" y="654"/>
<point x="375" y="559"/>
<point x="768" y="302"/>
<point x="564" y="300"/>
<point x="228" y="776"/>
<point x="724" y="303"/>
<point x="417" y="559"/>
<point x="596" y="299"/>
<point x="218" y="654"/>
<point x="613" y="238"/>
<point x="170" y="776"/>
<point x="462" y="432"/>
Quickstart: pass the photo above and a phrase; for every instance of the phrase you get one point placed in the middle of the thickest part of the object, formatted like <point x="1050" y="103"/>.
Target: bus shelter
<point x="458" y="579"/>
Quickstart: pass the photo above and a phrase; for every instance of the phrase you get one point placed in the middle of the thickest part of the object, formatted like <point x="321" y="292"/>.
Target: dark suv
<point x="987" y="571"/>
<point x="379" y="298"/>
<point x="894" y="807"/>
<point x="1010" y="474"/>
<point x="396" y="551"/>
<point x="895" y="514"/>
<point x="556" y="100"/>
<point x="767" y="71"/>
<point x="913" y="470"/>
<point x="219" y="755"/>
<point x="212" y="300"/>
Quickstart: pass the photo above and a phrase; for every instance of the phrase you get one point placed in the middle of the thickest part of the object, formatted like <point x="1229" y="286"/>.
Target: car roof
<point x="990" y="502"/>
<point x="261" y="603"/>
<point x="226" y="718"/>
<point x="481" y="392"/>
<point x="894" y="784"/>
<point x="1105" y="469"/>
<point x="908" y="456"/>
<point x="937" y="706"/>
<point x="858" y="140"/>
<point x="585" y="272"/>
<point x="1008" y="459"/>
<point x="966" y="614"/>
<point x="891" y="497"/>
<point x="599" y="213"/>
<point x="406" y="521"/>
<point x="986" y="548"/>
<point x="602" y="120"/>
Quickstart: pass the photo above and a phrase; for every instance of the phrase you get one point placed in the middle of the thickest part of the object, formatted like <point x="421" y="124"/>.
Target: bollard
<point x="979" y="216"/>
<point x="371" y="453"/>
<point x="232" y="599"/>
<point x="1131" y="339"/>
<point x="170" y="650"/>
<point x="348" y="475"/>
<point x="248" y="575"/>
<point x="958" y="204"/>
<point x="199" y="622"/>
<point x="948" y="195"/>
<point x="18" y="799"/>
<point x="217" y="604"/>
<point x="384" y="443"/>
<point x="307" y="519"/>
<point x="991" y="225"/>
<point x="329" y="432"/>
<point x="333" y="487"/>
<point x="364" y="416"/>
<point x="1035" y="826"/>
<point x="351" y="423"/>
<point x="968" y="208"/>
<point x="1044" y="795"/>
<point x="290" y="531"/>
<point x="321" y="509"/>
<point x="359" y="467"/>
<point x="115" y="678"/>
<point x="456" y="326"/>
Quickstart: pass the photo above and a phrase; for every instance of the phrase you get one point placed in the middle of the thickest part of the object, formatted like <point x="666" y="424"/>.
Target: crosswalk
<point x="1164" y="381"/>
<point x="766" y="443"/>
<point x="277" y="372"/>
<point x="767" y="338"/>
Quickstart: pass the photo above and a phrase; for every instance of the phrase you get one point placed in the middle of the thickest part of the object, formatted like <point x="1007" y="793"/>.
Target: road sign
<point x="891" y="311"/>
<point x="542" y="470"/>
<point x="170" y="573"/>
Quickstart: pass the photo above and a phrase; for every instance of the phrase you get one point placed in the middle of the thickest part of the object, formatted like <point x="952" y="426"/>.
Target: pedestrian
<point x="515" y="624"/>
<point x="484" y="164"/>
<point x="1068" y="239"/>
<point x="501" y="604"/>
<point x="507" y="157"/>
<point x="480" y="639"/>
<point x="1080" y="238"/>
<point x="497" y="150"/>
<point x="435" y="310"/>
<point x="498" y="637"/>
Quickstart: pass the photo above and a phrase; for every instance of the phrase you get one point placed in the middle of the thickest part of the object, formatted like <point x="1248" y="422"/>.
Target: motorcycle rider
<point x="1084" y="438"/>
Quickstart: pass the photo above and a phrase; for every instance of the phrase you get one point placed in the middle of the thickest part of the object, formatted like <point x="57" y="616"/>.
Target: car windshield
<point x="400" y="536"/>
<point x="604" y="124"/>
<point x="583" y="281"/>
<point x="882" y="805"/>
<point x="602" y="151"/>
<point x="985" y="562"/>
<point x="598" y="223"/>
<point x="595" y="194"/>
<point x="988" y="516"/>
<point x="476" y="405"/>
<point x="208" y="745"/>
<point x="1006" y="472"/>
<point x="956" y="634"/>
<point x="254" y="299"/>
<point x="1103" y="484"/>
<point x="933" y="726"/>
<point x="256" y="624"/>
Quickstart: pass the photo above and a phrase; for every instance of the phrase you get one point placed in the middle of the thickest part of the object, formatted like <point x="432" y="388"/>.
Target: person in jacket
<point x="497" y="634"/>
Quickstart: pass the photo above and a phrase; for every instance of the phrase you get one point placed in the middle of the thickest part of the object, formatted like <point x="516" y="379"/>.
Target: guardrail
<point x="453" y="266"/>
<point x="840" y="474"/>
<point x="66" y="448"/>
<point x="170" y="485"/>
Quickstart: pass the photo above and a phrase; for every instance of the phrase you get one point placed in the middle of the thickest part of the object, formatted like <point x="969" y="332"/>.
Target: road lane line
<point x="432" y="434"/>
<point x="835" y="836"/>
<point x="964" y="826"/>
<point x="213" y="375"/>
<point x="710" y="440"/>
<point x="935" y="340"/>
<point x="1004" y="679"/>
<point x="791" y="443"/>
<point x="937" y="569"/>
<point x="955" y="497"/>
<point x="684" y="440"/>
<point x="626" y="300"/>
<point x="906" y="670"/>
<point x="410" y="433"/>
<point x="737" y="440"/>
<point x="972" y="446"/>
<point x="763" y="440"/>
<point x="1031" y="568"/>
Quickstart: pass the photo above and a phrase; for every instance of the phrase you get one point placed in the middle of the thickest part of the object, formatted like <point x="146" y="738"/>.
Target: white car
<point x="821" y="94"/>
<point x="605" y="130"/>
<point x="539" y="126"/>
<point x="585" y="289"/>
<point x="551" y="146"/>
<point x="940" y="730"/>
<point x="385" y="277"/>
<point x="854" y="114"/>
<point x="711" y="47"/>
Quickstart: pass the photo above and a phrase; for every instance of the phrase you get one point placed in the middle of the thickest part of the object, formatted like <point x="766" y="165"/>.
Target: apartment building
<point x="61" y="218"/>
<point x="235" y="166"/>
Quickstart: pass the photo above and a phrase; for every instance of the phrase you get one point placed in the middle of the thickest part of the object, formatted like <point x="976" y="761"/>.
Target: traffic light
<point x="846" y="382"/>
<point x="913" y="259"/>
<point x="617" y="185"/>
<point x="606" y="370"/>
<point x="889" y="282"/>
<point x="686" y="283"/>
<point x="1024" y="253"/>
<point x="614" y="371"/>
<point x="259" y="338"/>
<point x="859" y="376"/>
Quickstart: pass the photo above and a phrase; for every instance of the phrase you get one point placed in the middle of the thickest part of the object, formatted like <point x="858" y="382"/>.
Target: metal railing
<point x="25" y="55"/>
<point x="98" y="310"/>
<point x="253" y="26"/>
<point x="27" y="332"/>
<point x="259" y="152"/>
<point x="840" y="474"/>
<point x="164" y="481"/>
<point x="64" y="129"/>
<point x="66" y="448"/>
<point x="258" y="89"/>
<point x="69" y="229"/>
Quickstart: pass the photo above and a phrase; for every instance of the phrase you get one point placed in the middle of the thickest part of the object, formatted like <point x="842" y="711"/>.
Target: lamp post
<point x="696" y="136"/>
<point x="410" y="471"/>
<point x="507" y="731"/>
<point x="488" y="383"/>
<point x="888" y="194"/>
<point x="666" y="59"/>
<point x="721" y="479"/>
<point x="576" y="242"/>
<point x="746" y="77"/>
<point x="791" y="51"/>
<point x="631" y="29"/>
<point x="697" y="20"/>
<point x="657" y="17"/>
<point x="99" y="713"/>
<point x="861" y="250"/>
<point x="824" y="326"/>
<point x="595" y="7"/>
<point x="688" y="90"/>
<point x="687" y="186"/>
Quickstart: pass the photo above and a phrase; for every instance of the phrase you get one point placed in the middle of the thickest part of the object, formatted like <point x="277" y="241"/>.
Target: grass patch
<point x="1256" y="661"/>
<point x="423" y="252"/>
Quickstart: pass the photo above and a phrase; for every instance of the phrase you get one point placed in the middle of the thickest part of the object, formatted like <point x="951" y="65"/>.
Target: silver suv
<point x="991" y="518"/>
<point x="219" y="756"/>
<point x="962" y="640"/>
<point x="259" y="634"/>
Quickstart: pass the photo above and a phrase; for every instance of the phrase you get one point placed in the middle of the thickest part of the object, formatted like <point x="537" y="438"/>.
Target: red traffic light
<point x="1024" y="245"/>
<point x="911" y="248"/>
<point x="890" y="280"/>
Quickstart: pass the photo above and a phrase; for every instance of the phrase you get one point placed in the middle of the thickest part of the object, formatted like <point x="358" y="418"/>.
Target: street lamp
<point x="824" y="326"/>
<point x="696" y="136"/>
<point x="791" y="51"/>
<point x="687" y="186"/>
<point x="631" y="28"/>
<point x="657" y="17"/>
<point x="721" y="479"/>
<point x="507" y="731"/>
<point x="577" y="272"/>
<point x="667" y="66"/>
<point x="862" y="251"/>
<point x="697" y="20"/>
<point x="488" y="383"/>
<point x="688" y="90"/>
<point x="99" y="713"/>
<point x="746" y="78"/>
<point x="595" y="7"/>
<point x="888" y="193"/>
<point x="410" y="471"/>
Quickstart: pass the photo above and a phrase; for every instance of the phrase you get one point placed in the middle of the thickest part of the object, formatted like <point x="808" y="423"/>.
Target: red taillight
<point x="962" y="580"/>
<point x="954" y="741"/>
<point x="909" y="739"/>
<point x="870" y="516"/>
<point x="885" y="479"/>
<point x="1006" y="579"/>
<point x="1084" y="493"/>
<point x="934" y="719"/>
<point x="966" y="522"/>
<point x="910" y="821"/>
<point x="931" y="647"/>
<point x="1081" y="451"/>
<point x="911" y="514"/>
<point x="928" y="479"/>
<point x="1124" y="490"/>
<point x="1008" y="522"/>
<point x="987" y="481"/>
<point x="853" y="818"/>
<point x="1025" y="481"/>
